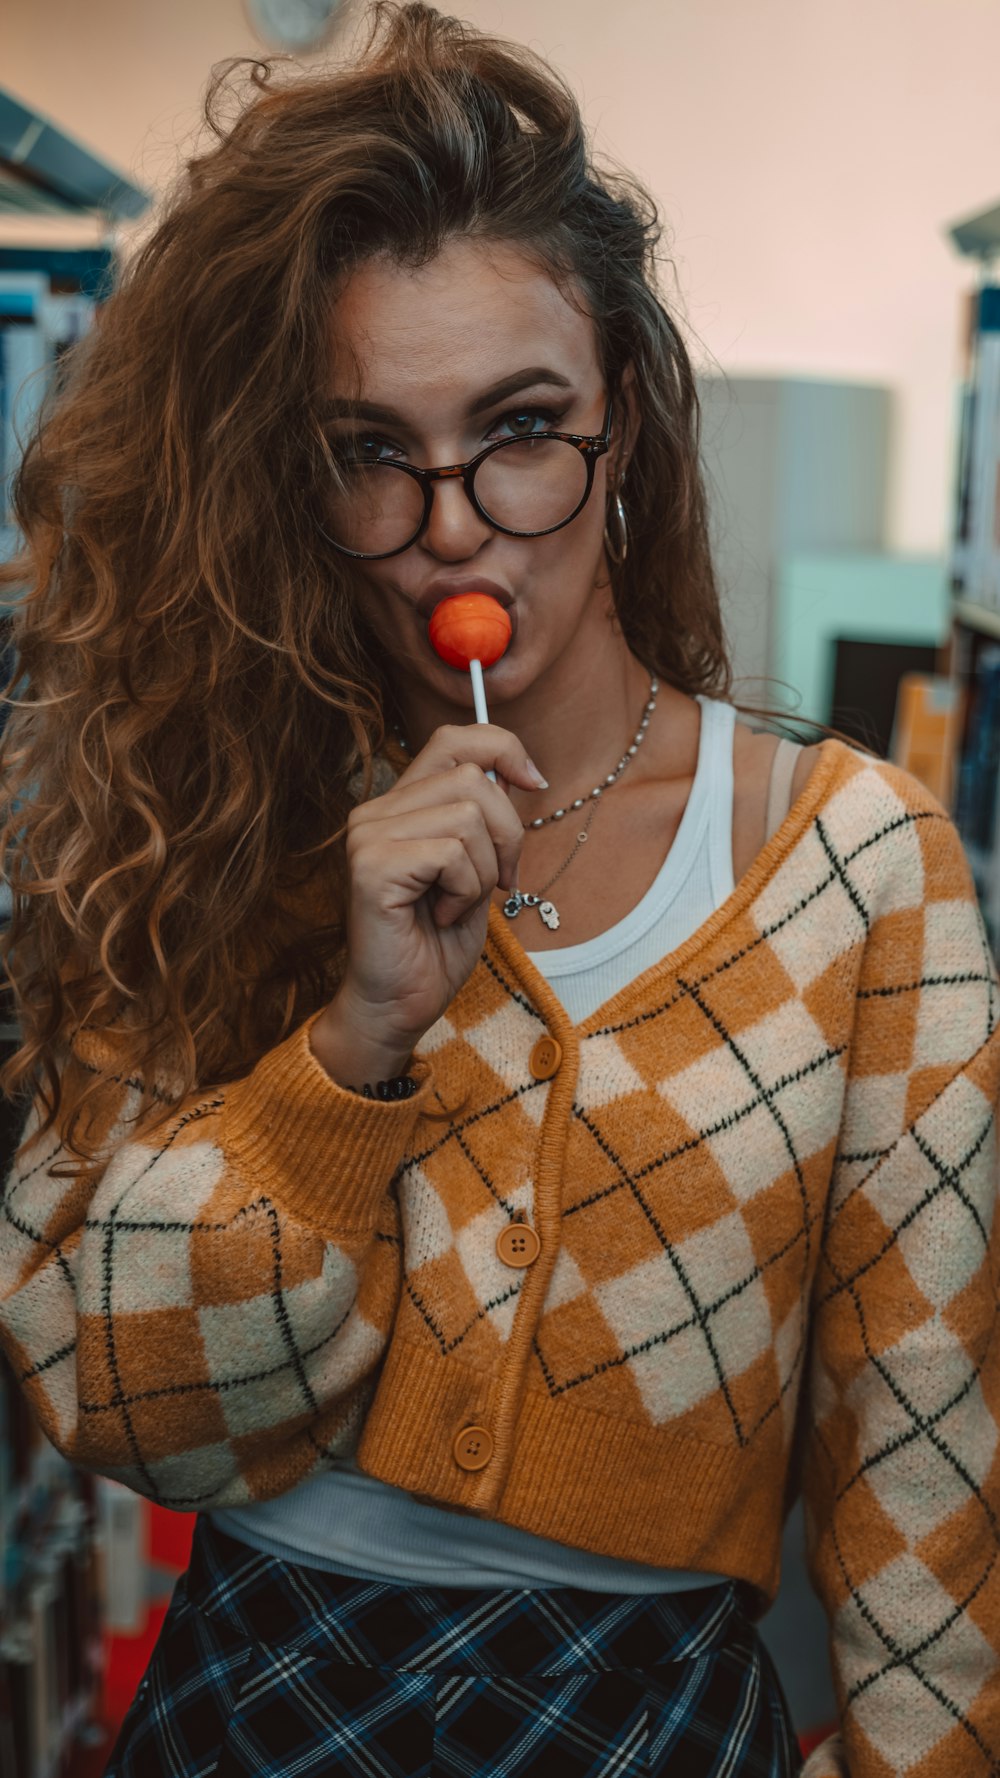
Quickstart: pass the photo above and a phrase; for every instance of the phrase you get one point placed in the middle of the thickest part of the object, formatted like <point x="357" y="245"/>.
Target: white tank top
<point x="694" y="879"/>
<point x="353" y="1523"/>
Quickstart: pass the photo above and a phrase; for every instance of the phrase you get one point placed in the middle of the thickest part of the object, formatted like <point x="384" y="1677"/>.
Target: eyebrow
<point x="521" y="379"/>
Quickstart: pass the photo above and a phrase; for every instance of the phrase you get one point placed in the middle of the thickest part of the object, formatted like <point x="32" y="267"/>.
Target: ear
<point x="628" y="420"/>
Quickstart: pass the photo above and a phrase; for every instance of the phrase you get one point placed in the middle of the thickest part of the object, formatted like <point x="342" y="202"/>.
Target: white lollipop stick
<point x="479" y="699"/>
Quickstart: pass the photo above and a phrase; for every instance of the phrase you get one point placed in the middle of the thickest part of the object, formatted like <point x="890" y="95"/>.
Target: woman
<point x="492" y="1198"/>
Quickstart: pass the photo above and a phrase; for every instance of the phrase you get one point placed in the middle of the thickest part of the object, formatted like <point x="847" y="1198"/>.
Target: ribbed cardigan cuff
<point x="327" y="1155"/>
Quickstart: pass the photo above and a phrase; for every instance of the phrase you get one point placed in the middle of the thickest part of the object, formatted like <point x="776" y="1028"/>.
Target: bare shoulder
<point x="753" y="757"/>
<point x="808" y="758"/>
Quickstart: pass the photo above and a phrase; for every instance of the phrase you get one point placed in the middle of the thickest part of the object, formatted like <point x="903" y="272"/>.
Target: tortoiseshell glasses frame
<point x="591" y="446"/>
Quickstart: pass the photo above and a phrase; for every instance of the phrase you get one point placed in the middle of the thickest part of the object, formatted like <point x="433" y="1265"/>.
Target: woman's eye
<point x="522" y="422"/>
<point x="364" y="447"/>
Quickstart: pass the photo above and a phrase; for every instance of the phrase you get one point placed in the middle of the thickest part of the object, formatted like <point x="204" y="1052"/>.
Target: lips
<point x="439" y="589"/>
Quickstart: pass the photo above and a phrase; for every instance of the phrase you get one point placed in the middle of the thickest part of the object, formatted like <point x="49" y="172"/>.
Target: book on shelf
<point x="975" y="561"/>
<point x="975" y="583"/>
<point x="962" y="502"/>
<point x="50" y="1617"/>
<point x="977" y="794"/>
<point x="37" y="325"/>
<point x="925" y="730"/>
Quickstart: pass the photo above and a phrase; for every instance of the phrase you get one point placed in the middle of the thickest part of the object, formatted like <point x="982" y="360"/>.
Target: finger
<point x="458" y="885"/>
<point x="462" y="820"/>
<point x="484" y="744"/>
<point x="464" y="787"/>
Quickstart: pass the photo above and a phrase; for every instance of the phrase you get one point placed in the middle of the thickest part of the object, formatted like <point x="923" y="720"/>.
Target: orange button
<point x="473" y="1447"/>
<point x="545" y="1058"/>
<point x="518" y="1244"/>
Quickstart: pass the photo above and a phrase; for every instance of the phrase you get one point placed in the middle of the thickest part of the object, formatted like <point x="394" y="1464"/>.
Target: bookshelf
<point x="54" y="1519"/>
<point x="977" y="618"/>
<point x="975" y="566"/>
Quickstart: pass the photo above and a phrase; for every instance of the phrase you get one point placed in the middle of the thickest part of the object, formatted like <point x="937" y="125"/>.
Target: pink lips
<point x="472" y="583"/>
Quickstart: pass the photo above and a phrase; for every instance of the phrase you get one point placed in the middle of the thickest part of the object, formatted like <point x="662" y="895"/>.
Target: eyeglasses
<point x="524" y="487"/>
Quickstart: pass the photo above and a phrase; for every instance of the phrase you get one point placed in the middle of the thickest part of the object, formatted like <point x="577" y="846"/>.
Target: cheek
<point x="373" y="602"/>
<point x="576" y="552"/>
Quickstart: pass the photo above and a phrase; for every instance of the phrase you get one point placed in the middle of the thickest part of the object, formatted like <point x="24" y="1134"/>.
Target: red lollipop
<point x="471" y="630"/>
<point x="469" y="627"/>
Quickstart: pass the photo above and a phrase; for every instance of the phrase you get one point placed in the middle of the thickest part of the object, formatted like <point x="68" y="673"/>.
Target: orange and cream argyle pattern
<point x="762" y="1184"/>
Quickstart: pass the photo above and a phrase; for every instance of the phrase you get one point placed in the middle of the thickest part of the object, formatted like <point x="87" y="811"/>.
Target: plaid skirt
<point x="272" y="1669"/>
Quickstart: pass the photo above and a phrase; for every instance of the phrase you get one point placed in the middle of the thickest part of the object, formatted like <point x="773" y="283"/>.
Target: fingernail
<point x="533" y="772"/>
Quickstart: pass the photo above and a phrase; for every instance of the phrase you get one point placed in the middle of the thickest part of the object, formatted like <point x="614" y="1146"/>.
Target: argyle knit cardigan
<point x="764" y="1177"/>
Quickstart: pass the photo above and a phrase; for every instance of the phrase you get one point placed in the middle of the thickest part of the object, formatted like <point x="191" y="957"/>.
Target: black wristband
<point x="399" y="1086"/>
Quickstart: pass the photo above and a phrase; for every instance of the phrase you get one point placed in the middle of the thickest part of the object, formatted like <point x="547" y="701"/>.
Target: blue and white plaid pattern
<point x="277" y="1670"/>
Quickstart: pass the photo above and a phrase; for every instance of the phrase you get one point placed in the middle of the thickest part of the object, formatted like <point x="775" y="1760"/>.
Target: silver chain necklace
<point x="547" y="910"/>
<point x="599" y="789"/>
<point x="612" y="777"/>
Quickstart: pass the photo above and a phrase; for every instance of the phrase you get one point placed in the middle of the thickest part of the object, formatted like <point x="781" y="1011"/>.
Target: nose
<point x="454" y="530"/>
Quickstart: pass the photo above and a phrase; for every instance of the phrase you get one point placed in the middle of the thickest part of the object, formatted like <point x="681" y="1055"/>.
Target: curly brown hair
<point x="197" y="688"/>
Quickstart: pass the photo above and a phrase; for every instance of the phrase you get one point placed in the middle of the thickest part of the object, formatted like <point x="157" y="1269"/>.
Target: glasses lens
<point x="531" y="484"/>
<point x="376" y="508"/>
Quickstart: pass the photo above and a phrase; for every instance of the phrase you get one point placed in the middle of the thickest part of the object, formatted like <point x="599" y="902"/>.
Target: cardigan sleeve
<point x="204" y="1323"/>
<point x="901" y="1480"/>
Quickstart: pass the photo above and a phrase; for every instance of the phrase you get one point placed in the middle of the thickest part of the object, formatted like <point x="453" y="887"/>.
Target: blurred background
<point x="829" y="180"/>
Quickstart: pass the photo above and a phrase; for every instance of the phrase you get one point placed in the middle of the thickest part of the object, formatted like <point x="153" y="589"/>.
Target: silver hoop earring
<point x="618" y="549"/>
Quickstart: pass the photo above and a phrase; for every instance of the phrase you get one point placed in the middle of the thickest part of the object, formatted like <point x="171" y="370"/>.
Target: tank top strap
<point x="717" y="742"/>
<point x="779" y="796"/>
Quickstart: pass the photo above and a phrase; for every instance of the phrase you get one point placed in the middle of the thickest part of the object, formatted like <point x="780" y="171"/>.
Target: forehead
<point x="456" y="324"/>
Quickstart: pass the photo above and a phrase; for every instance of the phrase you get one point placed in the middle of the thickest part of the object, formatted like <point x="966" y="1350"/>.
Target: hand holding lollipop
<point x="404" y="968"/>
<point x="471" y="630"/>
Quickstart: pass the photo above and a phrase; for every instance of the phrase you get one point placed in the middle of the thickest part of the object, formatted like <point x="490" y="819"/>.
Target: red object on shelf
<point x="814" y="1737"/>
<point x="125" y="1661"/>
<point x="170" y="1536"/>
<point x="469" y="627"/>
<point x="168" y="1547"/>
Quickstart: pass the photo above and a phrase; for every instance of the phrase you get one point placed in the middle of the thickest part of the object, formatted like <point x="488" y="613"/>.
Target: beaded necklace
<point x="612" y="777"/>
<point x="547" y="910"/>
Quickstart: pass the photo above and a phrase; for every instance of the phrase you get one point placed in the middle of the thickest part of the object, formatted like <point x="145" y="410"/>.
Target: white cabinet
<point x="793" y="467"/>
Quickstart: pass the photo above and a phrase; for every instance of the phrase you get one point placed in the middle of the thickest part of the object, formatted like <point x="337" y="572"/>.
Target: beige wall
<point x="806" y="155"/>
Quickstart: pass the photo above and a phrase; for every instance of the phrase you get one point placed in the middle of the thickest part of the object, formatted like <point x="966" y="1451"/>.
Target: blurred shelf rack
<point x="976" y="617"/>
<point x="975" y="566"/>
<point x="52" y="1550"/>
<point x="45" y="172"/>
<point x="978" y="236"/>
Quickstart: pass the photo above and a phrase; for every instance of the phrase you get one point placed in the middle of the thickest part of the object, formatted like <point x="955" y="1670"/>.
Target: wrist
<point x="350" y="1057"/>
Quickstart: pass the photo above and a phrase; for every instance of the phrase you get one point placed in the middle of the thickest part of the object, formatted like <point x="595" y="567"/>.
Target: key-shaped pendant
<point x="549" y="915"/>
